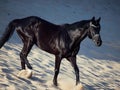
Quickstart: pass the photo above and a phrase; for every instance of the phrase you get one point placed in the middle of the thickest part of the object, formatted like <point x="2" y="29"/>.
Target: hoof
<point x="30" y="67"/>
<point x="55" y="83"/>
<point x="79" y="87"/>
<point x="25" y="73"/>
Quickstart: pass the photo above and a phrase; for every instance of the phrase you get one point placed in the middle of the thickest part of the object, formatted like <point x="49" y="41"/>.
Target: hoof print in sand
<point x="25" y="73"/>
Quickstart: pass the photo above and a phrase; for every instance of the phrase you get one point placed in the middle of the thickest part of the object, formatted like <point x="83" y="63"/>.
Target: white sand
<point x="99" y="67"/>
<point x="95" y="74"/>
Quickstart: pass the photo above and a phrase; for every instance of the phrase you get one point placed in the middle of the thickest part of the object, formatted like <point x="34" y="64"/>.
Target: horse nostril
<point x="99" y="43"/>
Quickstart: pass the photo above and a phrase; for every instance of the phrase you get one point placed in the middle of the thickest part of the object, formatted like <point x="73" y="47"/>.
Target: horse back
<point x="47" y="36"/>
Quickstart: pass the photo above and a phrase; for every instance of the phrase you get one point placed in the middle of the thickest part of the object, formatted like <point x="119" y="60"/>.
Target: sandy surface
<point x="99" y="67"/>
<point x="95" y="74"/>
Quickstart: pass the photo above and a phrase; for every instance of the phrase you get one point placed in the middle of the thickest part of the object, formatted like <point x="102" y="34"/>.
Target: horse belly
<point x="48" y="47"/>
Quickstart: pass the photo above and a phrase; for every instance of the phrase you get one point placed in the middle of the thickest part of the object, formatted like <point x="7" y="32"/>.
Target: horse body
<point x="61" y="40"/>
<point x="55" y="42"/>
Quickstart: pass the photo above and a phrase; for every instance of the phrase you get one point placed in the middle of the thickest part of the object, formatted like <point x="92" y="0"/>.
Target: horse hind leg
<point x="27" y="45"/>
<point x="24" y="53"/>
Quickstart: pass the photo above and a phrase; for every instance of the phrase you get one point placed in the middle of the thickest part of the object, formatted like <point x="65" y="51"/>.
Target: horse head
<point x="94" y="31"/>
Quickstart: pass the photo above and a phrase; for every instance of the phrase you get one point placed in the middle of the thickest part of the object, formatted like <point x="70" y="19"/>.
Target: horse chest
<point x="67" y="50"/>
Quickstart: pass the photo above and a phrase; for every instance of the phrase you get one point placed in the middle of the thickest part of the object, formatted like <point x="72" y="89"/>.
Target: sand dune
<point x="95" y="74"/>
<point x="99" y="67"/>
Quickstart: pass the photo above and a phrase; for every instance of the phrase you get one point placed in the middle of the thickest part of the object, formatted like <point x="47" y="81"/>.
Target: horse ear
<point x="99" y="19"/>
<point x="93" y="18"/>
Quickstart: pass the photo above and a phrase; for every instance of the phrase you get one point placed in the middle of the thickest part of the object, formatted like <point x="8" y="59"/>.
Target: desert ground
<point x="99" y="66"/>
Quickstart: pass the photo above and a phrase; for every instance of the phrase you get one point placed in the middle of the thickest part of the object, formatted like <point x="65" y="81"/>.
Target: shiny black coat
<point x="61" y="40"/>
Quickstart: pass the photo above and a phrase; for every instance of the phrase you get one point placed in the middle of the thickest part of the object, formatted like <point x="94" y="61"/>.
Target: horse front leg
<point x="72" y="59"/>
<point x="57" y="67"/>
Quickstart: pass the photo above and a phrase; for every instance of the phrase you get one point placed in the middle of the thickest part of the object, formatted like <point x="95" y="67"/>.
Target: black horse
<point x="61" y="40"/>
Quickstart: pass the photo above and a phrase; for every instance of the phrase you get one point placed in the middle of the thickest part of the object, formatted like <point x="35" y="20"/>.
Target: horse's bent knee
<point x="24" y="61"/>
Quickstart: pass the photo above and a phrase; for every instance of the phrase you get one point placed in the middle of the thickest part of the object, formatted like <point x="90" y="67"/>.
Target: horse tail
<point x="8" y="33"/>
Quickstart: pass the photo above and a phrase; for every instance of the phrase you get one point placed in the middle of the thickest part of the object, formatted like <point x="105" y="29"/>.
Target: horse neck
<point x="78" y="31"/>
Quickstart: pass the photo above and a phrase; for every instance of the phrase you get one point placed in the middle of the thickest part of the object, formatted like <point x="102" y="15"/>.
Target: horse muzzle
<point x="97" y="40"/>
